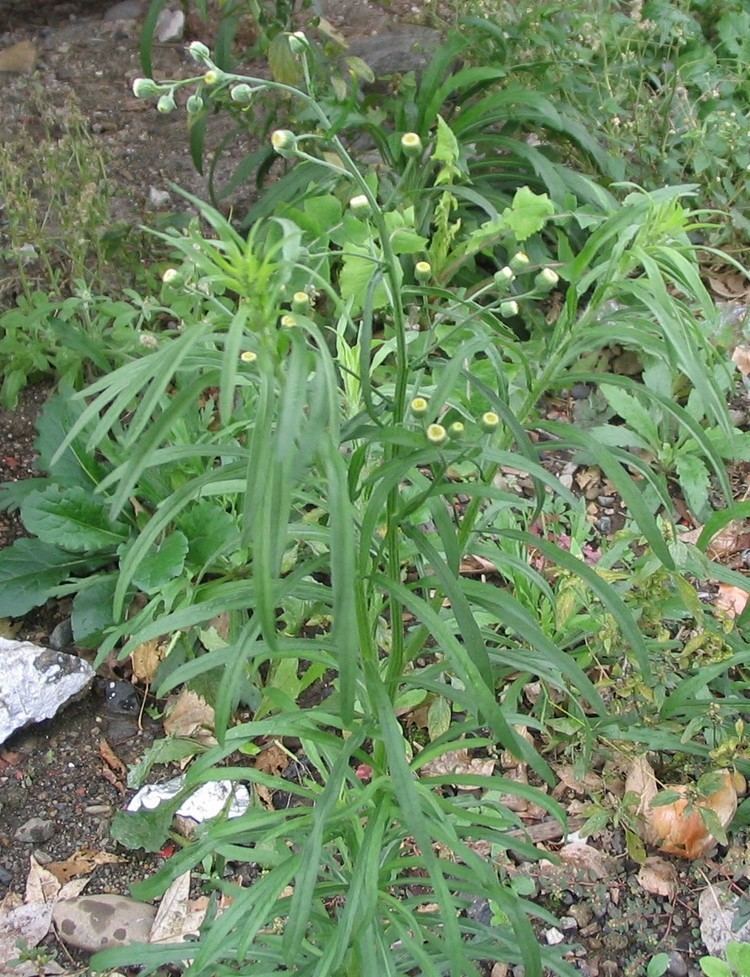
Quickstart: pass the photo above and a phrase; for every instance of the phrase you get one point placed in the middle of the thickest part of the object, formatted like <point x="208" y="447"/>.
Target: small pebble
<point x="553" y="936"/>
<point x="568" y="923"/>
<point x="604" y="525"/>
<point x="5" y="876"/>
<point x="97" y="809"/>
<point x="42" y="857"/>
<point x="677" y="965"/>
<point x="605" y="500"/>
<point x="35" y="831"/>
<point x="61" y="637"/>
<point x="580" y="391"/>
<point x="610" y="968"/>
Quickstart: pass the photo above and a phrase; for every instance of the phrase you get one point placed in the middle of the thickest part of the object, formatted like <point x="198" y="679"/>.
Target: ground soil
<point x="56" y="770"/>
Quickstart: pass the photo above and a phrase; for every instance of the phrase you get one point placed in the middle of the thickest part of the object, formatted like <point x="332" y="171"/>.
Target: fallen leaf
<point x="190" y="715"/>
<point x="111" y="758"/>
<point x="82" y="862"/>
<point x="659" y="877"/>
<point x="587" y="859"/>
<point x="459" y="762"/>
<point x="584" y="784"/>
<point x="18" y="58"/>
<point x="172" y="912"/>
<point x="731" y="599"/>
<point x="41" y="885"/>
<point x="146" y="658"/>
<point x="730" y="285"/>
<point x="741" y="359"/>
<point x="273" y="760"/>
<point x="29" y="923"/>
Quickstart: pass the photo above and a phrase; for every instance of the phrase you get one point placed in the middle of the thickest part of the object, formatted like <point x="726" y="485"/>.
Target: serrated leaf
<point x="447" y="152"/>
<point x="633" y="412"/>
<point x="208" y="528"/>
<point x="357" y="271"/>
<point x="694" y="481"/>
<point x="528" y="213"/>
<point x="144" y="829"/>
<point x="162" y="563"/>
<point x="29" y="572"/>
<point x="72" y="517"/>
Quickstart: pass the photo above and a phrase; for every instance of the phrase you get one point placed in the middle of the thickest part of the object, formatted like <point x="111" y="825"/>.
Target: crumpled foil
<point x="205" y="802"/>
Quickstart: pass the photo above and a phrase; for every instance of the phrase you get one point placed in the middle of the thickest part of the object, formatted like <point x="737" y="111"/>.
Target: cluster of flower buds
<point x="438" y="434"/>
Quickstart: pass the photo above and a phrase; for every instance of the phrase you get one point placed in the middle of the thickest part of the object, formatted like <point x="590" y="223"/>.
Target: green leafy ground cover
<point x="338" y="404"/>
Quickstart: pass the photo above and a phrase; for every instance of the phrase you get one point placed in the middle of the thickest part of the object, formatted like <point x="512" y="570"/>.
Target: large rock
<point x="396" y="52"/>
<point x="93" y="923"/>
<point x="717" y="908"/>
<point x="35" y="682"/>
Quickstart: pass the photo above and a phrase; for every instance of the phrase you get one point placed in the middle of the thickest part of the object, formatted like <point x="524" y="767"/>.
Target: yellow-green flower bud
<point x="199" y="52"/>
<point x="211" y="77"/>
<point x="288" y="321"/>
<point x="242" y="94"/>
<point x="145" y="88"/>
<point x="284" y="142"/>
<point x="519" y="262"/>
<point x="423" y="271"/>
<point x="411" y="144"/>
<point x="171" y="277"/>
<point x="166" y="104"/>
<point x="508" y="309"/>
<point x="503" y="278"/>
<point x="419" y="406"/>
<point x="194" y="104"/>
<point x="298" y="43"/>
<point x="301" y="303"/>
<point x="489" y="421"/>
<point x="360" y="205"/>
<point x="436" y="433"/>
<point x="546" y="279"/>
<point x="456" y="430"/>
<point x="248" y="356"/>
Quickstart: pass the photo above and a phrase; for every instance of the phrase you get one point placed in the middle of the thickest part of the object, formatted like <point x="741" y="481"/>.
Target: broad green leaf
<point x="162" y="563"/>
<point x="528" y="213"/>
<point x="144" y="829"/>
<point x="209" y="529"/>
<point x="438" y="717"/>
<point x="357" y="272"/>
<point x="657" y="965"/>
<point x="406" y="241"/>
<point x="713" y="967"/>
<point x="72" y="517"/>
<point x="285" y="66"/>
<point x="738" y="957"/>
<point x="92" y="611"/>
<point x="694" y="481"/>
<point x="29" y="572"/>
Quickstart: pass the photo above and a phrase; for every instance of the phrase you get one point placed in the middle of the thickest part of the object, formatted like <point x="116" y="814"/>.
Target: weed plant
<point x="284" y="492"/>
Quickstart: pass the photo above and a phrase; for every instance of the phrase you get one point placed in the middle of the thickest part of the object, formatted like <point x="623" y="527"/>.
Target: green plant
<point x="335" y="427"/>
<point x="737" y="963"/>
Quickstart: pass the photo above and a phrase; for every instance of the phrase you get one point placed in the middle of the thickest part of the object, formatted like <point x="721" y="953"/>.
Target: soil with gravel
<point x="59" y="771"/>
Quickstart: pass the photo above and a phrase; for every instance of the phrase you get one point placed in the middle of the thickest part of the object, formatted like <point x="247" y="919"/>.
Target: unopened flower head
<point x="248" y="356"/>
<point x="166" y="103"/>
<point x="509" y="309"/>
<point x="243" y="94"/>
<point x="411" y="143"/>
<point x="489" y="420"/>
<point x="171" y="276"/>
<point x="199" y="52"/>
<point x="456" y="430"/>
<point x="423" y="271"/>
<point x="301" y="303"/>
<point x="504" y="277"/>
<point x="284" y="142"/>
<point x="288" y="321"/>
<point x="360" y="205"/>
<point x="148" y="340"/>
<point x="194" y="104"/>
<point x="546" y="279"/>
<point x="298" y="43"/>
<point x="436" y="433"/>
<point x="145" y="87"/>
<point x="419" y="406"/>
<point x="519" y="262"/>
<point x="211" y="77"/>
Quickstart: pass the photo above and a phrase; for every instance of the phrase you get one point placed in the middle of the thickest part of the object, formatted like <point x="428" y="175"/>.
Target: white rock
<point x="35" y="682"/>
<point x="170" y="25"/>
<point x="716" y="909"/>
<point x="553" y="936"/>
<point x="158" y="198"/>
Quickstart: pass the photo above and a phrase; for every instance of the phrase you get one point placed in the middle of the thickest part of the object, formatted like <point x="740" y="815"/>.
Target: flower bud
<point x="301" y="303"/>
<point x="145" y="87"/>
<point x="519" y="262"/>
<point x="508" y="309"/>
<point x="148" y="340"/>
<point x="199" y="52"/>
<point x="436" y="433"/>
<point x="248" y="356"/>
<point x="456" y="430"/>
<point x="171" y="276"/>
<point x="288" y="321"/>
<point x="423" y="271"/>
<point x="419" y="406"/>
<point x="489" y="421"/>
<point x="242" y="94"/>
<point x="212" y="77"/>
<point x="546" y="279"/>
<point x="360" y="205"/>
<point x="503" y="278"/>
<point x="284" y="142"/>
<point x="298" y="43"/>
<point x="166" y="104"/>
<point x="194" y="104"/>
<point x="411" y="144"/>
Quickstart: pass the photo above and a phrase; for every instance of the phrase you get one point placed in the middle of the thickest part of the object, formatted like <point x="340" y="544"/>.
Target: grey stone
<point x="92" y="923"/>
<point x="35" y="682"/>
<point x="568" y="923"/>
<point x="170" y="25"/>
<point x="35" y="831"/>
<point x="125" y="10"/>
<point x="158" y="198"/>
<point x="397" y="52"/>
<point x="61" y="638"/>
<point x="717" y="906"/>
<point x="677" y="966"/>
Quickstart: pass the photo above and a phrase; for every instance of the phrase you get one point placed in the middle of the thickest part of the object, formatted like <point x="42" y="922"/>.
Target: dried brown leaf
<point x="459" y="762"/>
<point x="111" y="758"/>
<point x="659" y="877"/>
<point x="731" y="599"/>
<point x="188" y="714"/>
<point x="146" y="658"/>
<point x="587" y="859"/>
<point x="82" y="862"/>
